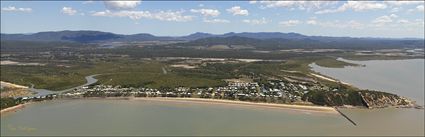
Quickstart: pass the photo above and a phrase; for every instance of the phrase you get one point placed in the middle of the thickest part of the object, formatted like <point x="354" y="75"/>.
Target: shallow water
<point x="149" y="117"/>
<point x="142" y="117"/>
<point x="402" y="77"/>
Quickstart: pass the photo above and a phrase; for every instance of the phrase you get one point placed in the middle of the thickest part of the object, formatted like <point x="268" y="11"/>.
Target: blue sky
<point x="174" y="18"/>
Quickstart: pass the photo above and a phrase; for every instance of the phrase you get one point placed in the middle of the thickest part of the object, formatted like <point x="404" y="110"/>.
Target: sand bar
<point x="13" y="108"/>
<point x="328" y="79"/>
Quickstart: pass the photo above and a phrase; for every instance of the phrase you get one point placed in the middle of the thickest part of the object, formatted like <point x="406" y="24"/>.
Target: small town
<point x="276" y="91"/>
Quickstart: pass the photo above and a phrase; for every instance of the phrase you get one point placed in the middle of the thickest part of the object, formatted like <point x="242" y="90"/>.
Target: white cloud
<point x="216" y="21"/>
<point x="352" y="24"/>
<point x="14" y="9"/>
<point x="236" y="10"/>
<point x="68" y="10"/>
<point x="383" y="20"/>
<point x="256" y="21"/>
<point x="312" y="22"/>
<point x="135" y="15"/>
<point x="400" y="25"/>
<point x="302" y="5"/>
<point x="393" y="16"/>
<point x="403" y="2"/>
<point x="290" y="23"/>
<point x="206" y="12"/>
<point x="420" y="8"/>
<point x="415" y="24"/>
<point x="252" y="1"/>
<point x="403" y="21"/>
<point x="130" y="14"/>
<point x="122" y="5"/>
<point x="355" y="6"/>
<point x="88" y="2"/>
<point x="397" y="9"/>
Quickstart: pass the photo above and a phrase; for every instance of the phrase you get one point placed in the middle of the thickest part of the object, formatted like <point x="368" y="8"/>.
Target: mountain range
<point x="264" y="39"/>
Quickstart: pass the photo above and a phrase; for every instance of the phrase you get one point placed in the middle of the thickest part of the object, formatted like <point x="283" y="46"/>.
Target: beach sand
<point x="305" y="108"/>
<point x="301" y="108"/>
<point x="329" y="79"/>
<point x="13" y="109"/>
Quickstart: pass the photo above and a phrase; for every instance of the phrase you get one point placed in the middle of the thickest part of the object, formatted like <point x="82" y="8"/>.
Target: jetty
<point x="345" y="116"/>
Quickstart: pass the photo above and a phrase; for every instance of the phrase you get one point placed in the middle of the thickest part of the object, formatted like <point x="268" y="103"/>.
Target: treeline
<point x="39" y="46"/>
<point x="334" y="98"/>
<point x="8" y="102"/>
<point x="305" y="43"/>
<point x="150" y="52"/>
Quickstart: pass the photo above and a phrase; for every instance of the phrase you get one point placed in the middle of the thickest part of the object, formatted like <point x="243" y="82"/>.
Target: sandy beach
<point x="328" y="79"/>
<point x="321" y="109"/>
<point x="301" y="108"/>
<point x="12" y="109"/>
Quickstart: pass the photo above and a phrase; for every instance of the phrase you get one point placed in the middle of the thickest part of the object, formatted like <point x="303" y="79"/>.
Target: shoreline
<point x="329" y="79"/>
<point x="321" y="109"/>
<point x="14" y="108"/>
<point x="299" y="108"/>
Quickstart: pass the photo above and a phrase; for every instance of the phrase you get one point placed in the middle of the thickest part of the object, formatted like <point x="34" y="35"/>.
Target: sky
<point x="389" y="19"/>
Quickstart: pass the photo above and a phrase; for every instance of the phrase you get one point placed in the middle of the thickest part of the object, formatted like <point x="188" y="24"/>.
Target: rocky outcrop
<point x="358" y="98"/>
<point x="376" y="99"/>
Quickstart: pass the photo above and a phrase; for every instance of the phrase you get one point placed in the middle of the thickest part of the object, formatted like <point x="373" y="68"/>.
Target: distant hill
<point x="260" y="40"/>
<point x="302" y="42"/>
<point x="197" y="35"/>
<point x="75" y="36"/>
<point x="82" y="37"/>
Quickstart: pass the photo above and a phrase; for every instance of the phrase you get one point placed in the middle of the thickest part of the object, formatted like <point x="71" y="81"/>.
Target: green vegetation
<point x="333" y="63"/>
<point x="46" y="77"/>
<point x="133" y="72"/>
<point x="125" y="72"/>
<point x="334" y="98"/>
<point x="8" y="102"/>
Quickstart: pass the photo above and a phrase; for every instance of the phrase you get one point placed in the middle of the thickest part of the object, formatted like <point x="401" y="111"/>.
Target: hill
<point x="258" y="40"/>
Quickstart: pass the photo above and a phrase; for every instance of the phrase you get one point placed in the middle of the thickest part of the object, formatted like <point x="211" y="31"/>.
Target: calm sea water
<point x="141" y="117"/>
<point x="402" y="77"/>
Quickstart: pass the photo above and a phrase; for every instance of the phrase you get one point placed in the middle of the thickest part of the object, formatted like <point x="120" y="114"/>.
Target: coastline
<point x="299" y="108"/>
<point x="14" y="108"/>
<point x="321" y="109"/>
<point x="329" y="79"/>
